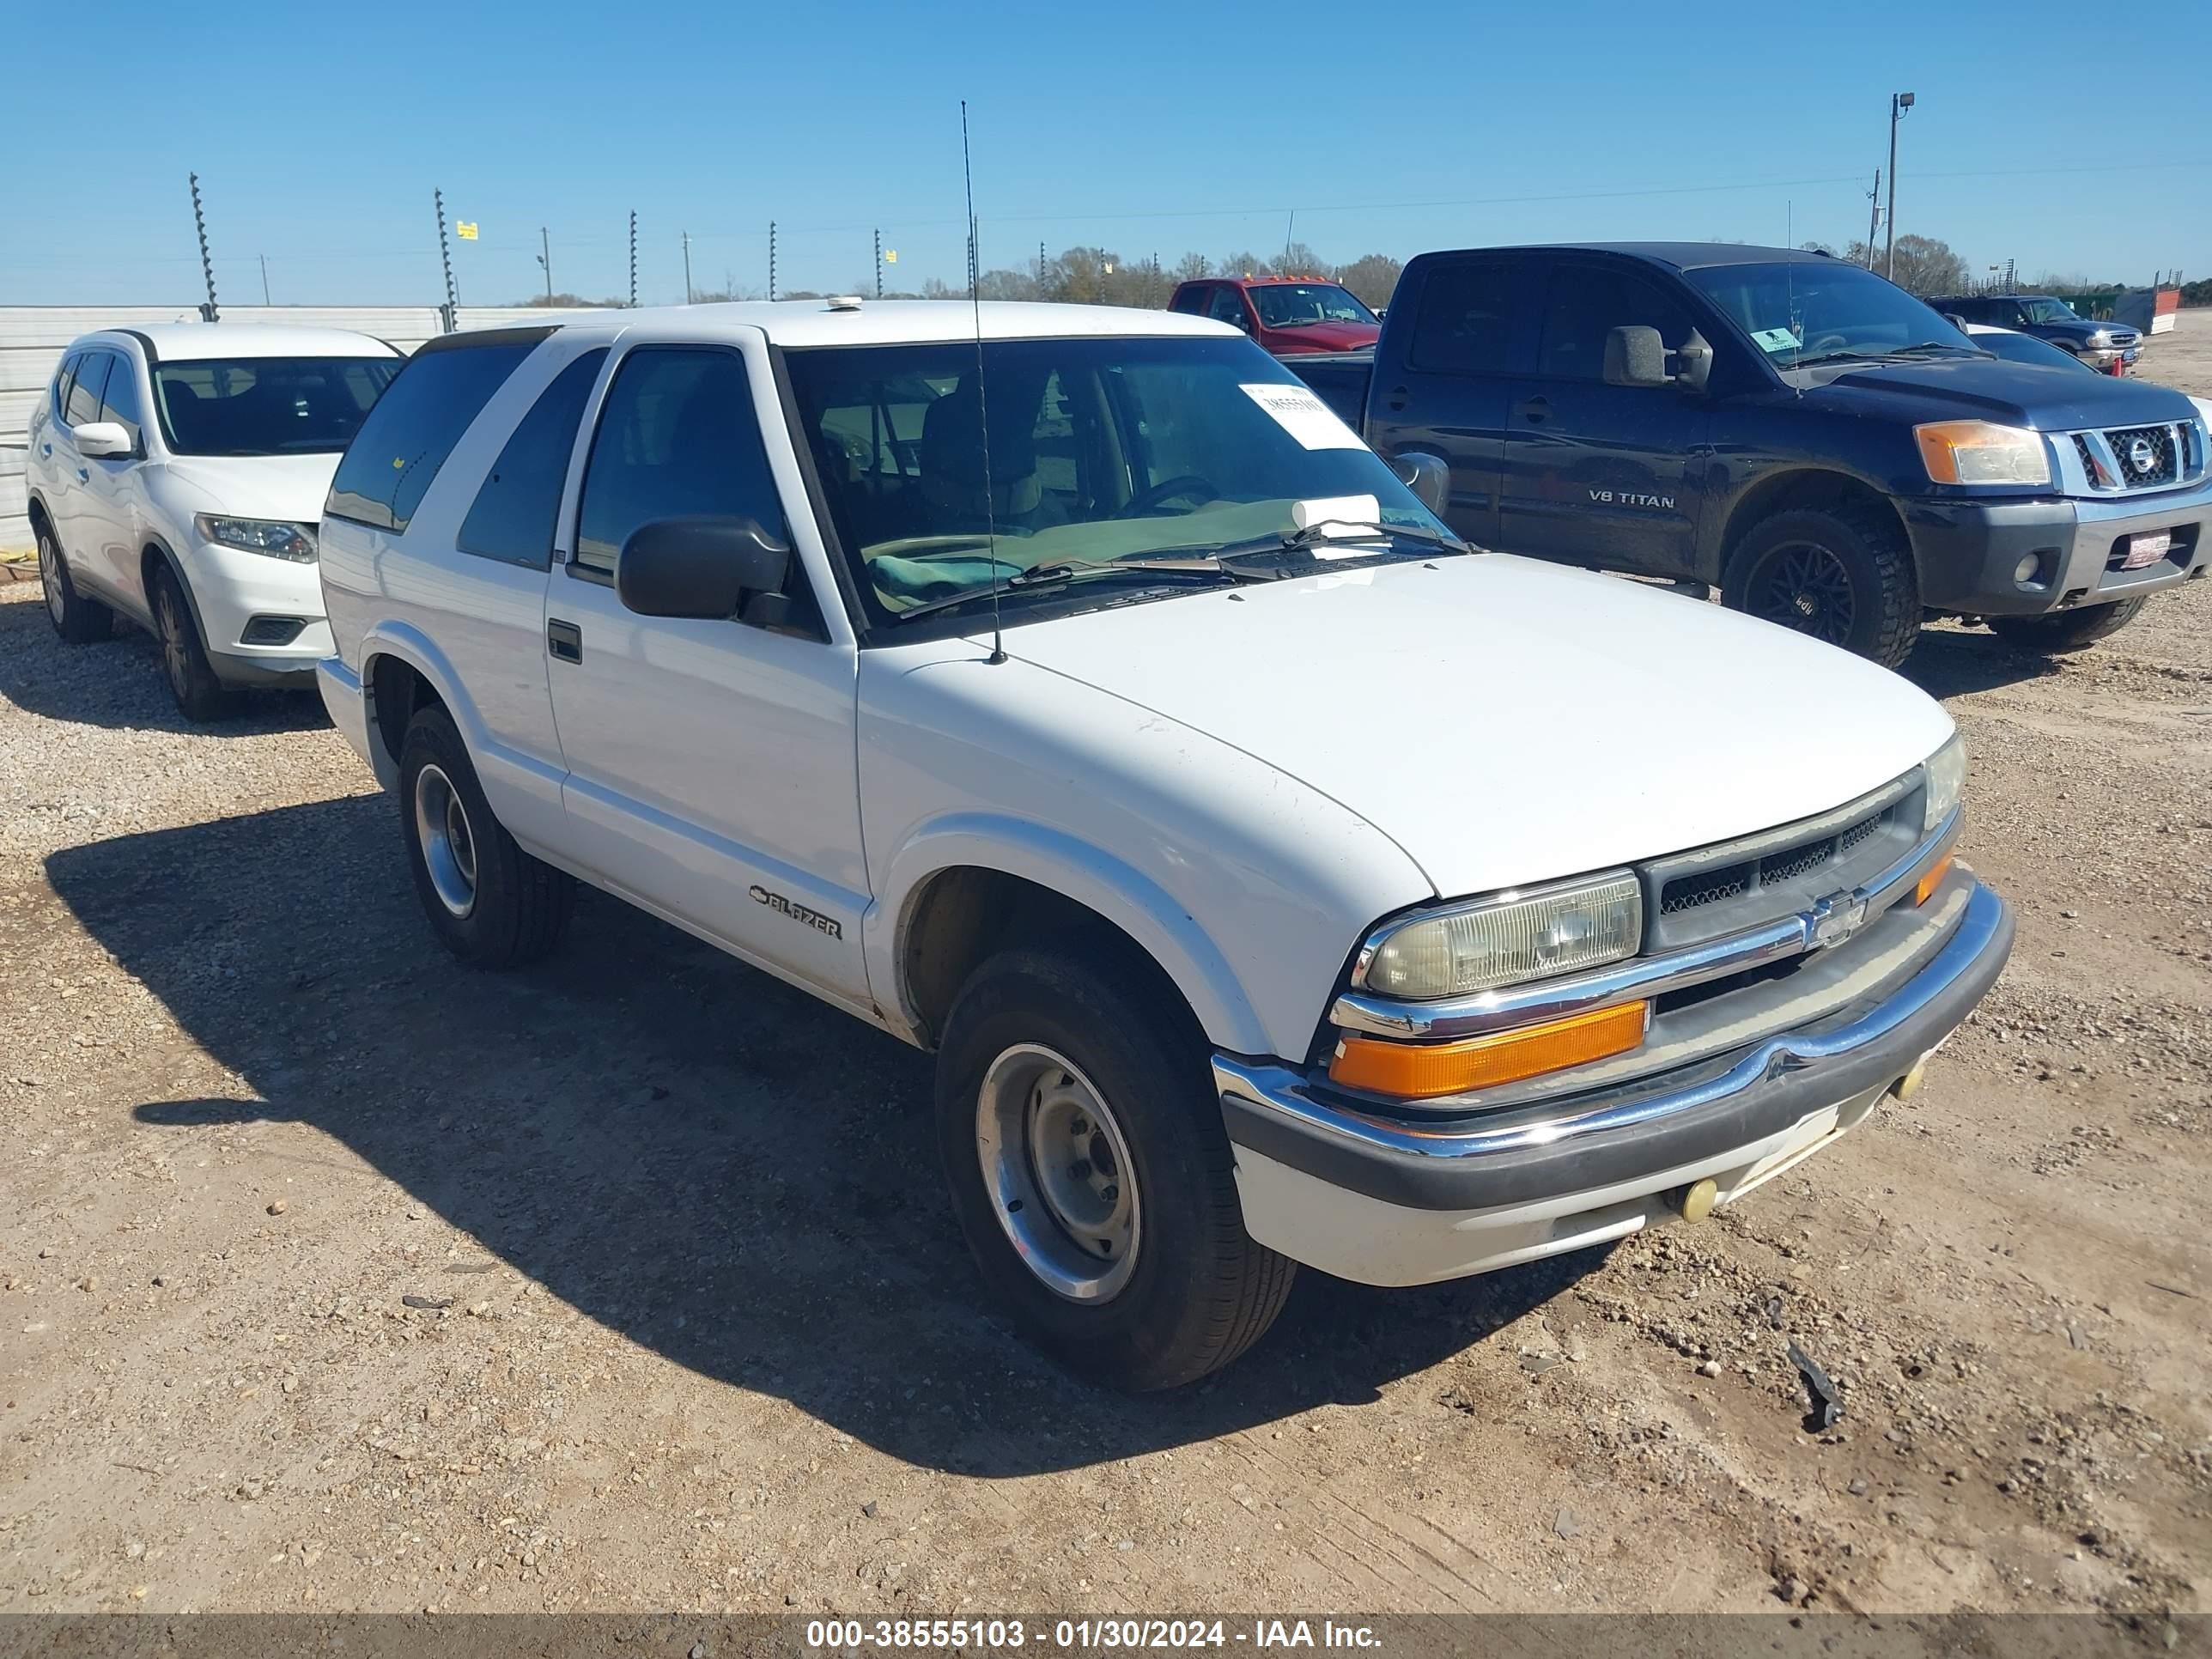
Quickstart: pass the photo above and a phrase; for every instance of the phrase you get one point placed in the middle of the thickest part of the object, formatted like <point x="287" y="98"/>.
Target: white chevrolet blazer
<point x="1064" y="689"/>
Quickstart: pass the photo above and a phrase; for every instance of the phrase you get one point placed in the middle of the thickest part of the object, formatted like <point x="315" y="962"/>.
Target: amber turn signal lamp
<point x="1422" y="1071"/>
<point x="1932" y="880"/>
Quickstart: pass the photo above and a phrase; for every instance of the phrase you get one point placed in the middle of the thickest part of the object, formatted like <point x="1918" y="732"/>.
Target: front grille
<point x="1865" y="827"/>
<point x="2127" y="460"/>
<point x="1721" y="890"/>
<point x="2146" y="455"/>
<point x="1788" y="867"/>
<point x="1709" y="887"/>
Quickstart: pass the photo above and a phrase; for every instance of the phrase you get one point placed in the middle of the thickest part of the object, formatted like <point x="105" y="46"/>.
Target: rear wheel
<point x="488" y="901"/>
<point x="1842" y="574"/>
<point x="76" y="618"/>
<point x="201" y="697"/>
<point x="1091" y="1173"/>
<point x="2067" y="630"/>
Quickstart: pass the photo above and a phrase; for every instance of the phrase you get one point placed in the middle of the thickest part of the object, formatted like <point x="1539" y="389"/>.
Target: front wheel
<point x="1842" y="574"/>
<point x="2067" y="630"/>
<point x="1091" y="1173"/>
<point x="76" y="618"/>
<point x="201" y="697"/>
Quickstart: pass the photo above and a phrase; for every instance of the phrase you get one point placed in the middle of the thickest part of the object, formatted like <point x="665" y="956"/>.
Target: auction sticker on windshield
<point x="1303" y="415"/>
<point x="1775" y="339"/>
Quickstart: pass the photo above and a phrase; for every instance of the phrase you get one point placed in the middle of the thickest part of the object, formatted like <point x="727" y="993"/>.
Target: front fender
<point x="1077" y="870"/>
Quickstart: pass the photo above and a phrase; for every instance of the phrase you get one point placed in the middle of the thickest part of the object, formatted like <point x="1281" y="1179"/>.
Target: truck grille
<point x="1739" y="884"/>
<point x="2126" y="459"/>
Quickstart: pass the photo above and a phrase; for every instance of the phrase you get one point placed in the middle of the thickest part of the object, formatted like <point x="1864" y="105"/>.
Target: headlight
<point x="274" y="537"/>
<point x="1983" y="452"/>
<point x="1508" y="938"/>
<point x="2100" y="336"/>
<point x="1947" y="780"/>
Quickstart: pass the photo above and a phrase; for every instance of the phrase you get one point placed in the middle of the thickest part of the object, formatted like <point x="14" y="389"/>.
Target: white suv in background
<point x="176" y="474"/>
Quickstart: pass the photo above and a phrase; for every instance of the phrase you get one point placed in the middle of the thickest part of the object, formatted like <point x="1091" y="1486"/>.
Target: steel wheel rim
<point x="50" y="575"/>
<point x="449" y="845"/>
<point x="1057" y="1168"/>
<point x="1805" y="586"/>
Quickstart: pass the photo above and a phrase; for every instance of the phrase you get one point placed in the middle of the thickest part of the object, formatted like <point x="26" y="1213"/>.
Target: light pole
<point x="1899" y="103"/>
<point x="545" y="259"/>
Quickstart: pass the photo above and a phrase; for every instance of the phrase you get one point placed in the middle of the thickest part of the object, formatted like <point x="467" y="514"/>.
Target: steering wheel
<point x="1825" y="343"/>
<point x="1166" y="491"/>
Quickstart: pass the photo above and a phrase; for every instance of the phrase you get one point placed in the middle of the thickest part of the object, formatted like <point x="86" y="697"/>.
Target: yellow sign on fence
<point x="465" y="229"/>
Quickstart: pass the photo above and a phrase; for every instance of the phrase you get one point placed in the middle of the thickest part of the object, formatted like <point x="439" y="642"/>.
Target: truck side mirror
<point x="1427" y="476"/>
<point x="1635" y="357"/>
<point x="1694" y="363"/>
<point x="703" y="567"/>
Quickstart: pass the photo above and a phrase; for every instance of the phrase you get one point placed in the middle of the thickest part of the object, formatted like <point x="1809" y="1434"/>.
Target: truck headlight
<point x="1509" y="937"/>
<point x="2100" y="336"/>
<point x="274" y="536"/>
<point x="1983" y="452"/>
<point x="1947" y="780"/>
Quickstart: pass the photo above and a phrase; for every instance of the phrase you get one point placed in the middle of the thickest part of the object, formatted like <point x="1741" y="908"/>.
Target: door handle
<point x="563" y="641"/>
<point x="1396" y="397"/>
<point x="46" y="450"/>
<point x="1535" y="410"/>
<point x="83" y="477"/>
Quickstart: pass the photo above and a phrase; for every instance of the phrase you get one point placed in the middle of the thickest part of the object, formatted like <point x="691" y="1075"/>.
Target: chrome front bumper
<point x="1636" y="1138"/>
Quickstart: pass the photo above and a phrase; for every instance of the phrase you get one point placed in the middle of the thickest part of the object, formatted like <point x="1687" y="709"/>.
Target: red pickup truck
<point x="1285" y="314"/>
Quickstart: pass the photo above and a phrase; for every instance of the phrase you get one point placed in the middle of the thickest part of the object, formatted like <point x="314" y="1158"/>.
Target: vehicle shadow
<point x="117" y="683"/>
<point x="682" y="1149"/>
<point x="1952" y="663"/>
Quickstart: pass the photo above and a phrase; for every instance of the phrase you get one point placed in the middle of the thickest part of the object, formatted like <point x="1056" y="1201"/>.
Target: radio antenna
<point x="982" y="408"/>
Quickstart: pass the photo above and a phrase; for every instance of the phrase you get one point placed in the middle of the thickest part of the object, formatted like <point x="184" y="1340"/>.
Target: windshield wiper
<point x="1324" y="531"/>
<point x="1203" y="570"/>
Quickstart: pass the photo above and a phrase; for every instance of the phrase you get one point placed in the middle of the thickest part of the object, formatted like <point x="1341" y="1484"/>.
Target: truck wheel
<point x="76" y="618"/>
<point x="201" y="697"/>
<point x="2067" y="630"/>
<point x="1090" y="1172"/>
<point x="489" y="902"/>
<point x="1842" y="574"/>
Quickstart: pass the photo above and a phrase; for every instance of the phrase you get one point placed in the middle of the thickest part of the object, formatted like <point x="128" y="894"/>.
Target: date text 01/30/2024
<point x="1084" y="1634"/>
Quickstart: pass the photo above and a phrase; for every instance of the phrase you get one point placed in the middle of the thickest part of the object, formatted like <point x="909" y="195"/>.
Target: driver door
<point x="711" y="766"/>
<point x="1601" y="475"/>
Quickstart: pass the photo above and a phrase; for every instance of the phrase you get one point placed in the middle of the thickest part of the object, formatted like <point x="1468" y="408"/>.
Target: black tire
<point x="201" y="697"/>
<point x="76" y="618"/>
<point x="2067" y="630"/>
<point x="1843" y="574"/>
<point x="1199" y="1289"/>
<point x="517" y="906"/>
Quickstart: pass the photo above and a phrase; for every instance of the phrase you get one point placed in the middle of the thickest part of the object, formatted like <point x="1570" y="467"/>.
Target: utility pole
<point x="632" y="258"/>
<point x="208" y="312"/>
<point x="1874" y="217"/>
<point x="1289" y="235"/>
<point x="446" y="255"/>
<point x="771" y="259"/>
<point x="264" y="279"/>
<point x="545" y="259"/>
<point x="687" y="267"/>
<point x="1899" y="103"/>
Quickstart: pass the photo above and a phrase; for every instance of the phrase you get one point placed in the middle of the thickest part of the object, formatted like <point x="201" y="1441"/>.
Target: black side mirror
<point x="1427" y="476"/>
<point x="1635" y="357"/>
<point x="704" y="567"/>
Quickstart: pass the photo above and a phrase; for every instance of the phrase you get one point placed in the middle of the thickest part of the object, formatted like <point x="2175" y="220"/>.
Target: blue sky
<point x="2064" y="136"/>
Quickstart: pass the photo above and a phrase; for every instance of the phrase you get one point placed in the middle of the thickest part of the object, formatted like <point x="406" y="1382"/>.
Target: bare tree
<point x="1372" y="277"/>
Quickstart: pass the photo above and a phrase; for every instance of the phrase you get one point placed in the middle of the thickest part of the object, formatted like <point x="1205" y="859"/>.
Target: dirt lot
<point x="333" y="1275"/>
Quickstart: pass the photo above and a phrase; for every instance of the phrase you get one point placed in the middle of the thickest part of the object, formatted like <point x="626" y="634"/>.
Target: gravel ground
<point x="334" y="1276"/>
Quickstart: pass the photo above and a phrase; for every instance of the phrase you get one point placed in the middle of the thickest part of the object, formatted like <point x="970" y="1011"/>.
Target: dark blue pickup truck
<point x="1824" y="448"/>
